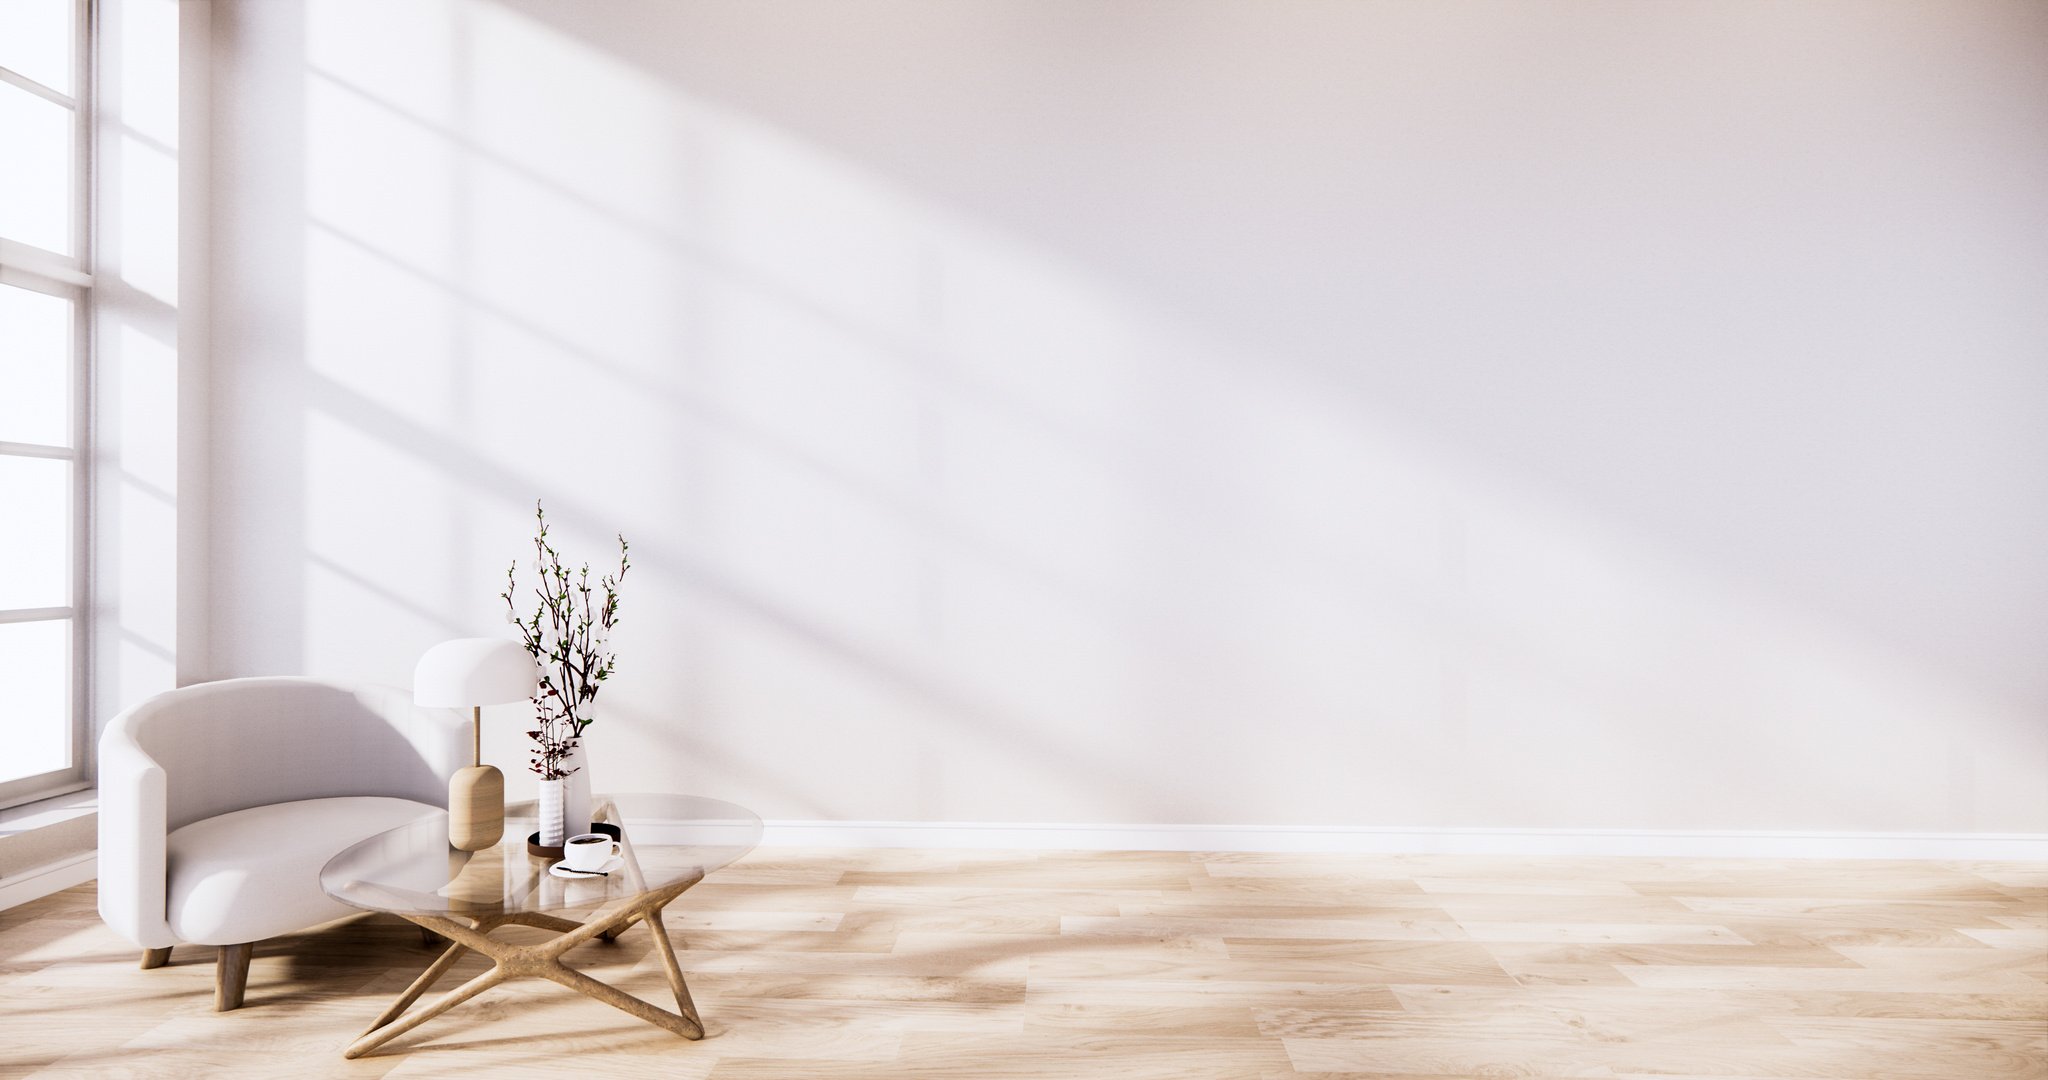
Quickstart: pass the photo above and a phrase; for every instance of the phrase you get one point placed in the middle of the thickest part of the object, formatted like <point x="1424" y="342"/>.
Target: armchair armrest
<point x="133" y="840"/>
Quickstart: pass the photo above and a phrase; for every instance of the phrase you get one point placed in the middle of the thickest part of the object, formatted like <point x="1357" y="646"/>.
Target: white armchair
<point x="220" y="802"/>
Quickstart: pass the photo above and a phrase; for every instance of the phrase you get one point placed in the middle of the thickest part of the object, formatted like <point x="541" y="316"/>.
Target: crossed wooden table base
<point x="541" y="961"/>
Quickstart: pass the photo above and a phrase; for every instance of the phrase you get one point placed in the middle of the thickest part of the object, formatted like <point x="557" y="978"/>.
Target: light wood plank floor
<point x="886" y="964"/>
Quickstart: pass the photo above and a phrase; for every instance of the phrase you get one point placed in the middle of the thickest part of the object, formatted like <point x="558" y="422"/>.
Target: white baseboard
<point x="2019" y="847"/>
<point x="48" y="878"/>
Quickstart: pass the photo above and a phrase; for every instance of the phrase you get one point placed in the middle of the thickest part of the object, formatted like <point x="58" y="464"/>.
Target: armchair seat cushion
<point x="255" y="873"/>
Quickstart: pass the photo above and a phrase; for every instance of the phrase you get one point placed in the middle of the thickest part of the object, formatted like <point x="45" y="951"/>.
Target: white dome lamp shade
<point x="469" y="673"/>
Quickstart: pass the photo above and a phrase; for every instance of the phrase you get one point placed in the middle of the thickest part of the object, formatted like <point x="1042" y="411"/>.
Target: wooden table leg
<point x="422" y="984"/>
<point x="377" y="1037"/>
<point x="545" y="922"/>
<point x="613" y="933"/>
<point x="626" y="1003"/>
<point x="667" y="953"/>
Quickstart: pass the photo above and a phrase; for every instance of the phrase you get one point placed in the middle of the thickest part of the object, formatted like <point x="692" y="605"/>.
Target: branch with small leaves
<point x="567" y="636"/>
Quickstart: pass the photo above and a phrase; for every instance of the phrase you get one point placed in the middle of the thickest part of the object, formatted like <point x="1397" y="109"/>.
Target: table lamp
<point x="469" y="673"/>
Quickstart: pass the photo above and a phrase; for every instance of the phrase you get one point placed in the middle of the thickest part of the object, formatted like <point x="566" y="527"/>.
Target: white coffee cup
<point x="589" y="851"/>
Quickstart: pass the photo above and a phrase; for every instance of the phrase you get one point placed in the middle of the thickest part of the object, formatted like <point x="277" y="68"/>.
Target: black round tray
<point x="554" y="854"/>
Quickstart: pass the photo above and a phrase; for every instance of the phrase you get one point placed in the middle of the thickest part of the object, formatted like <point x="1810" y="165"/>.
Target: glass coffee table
<point x="669" y="843"/>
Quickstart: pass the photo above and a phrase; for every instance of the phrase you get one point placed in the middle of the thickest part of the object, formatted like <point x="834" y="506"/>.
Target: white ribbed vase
<point x="551" y="817"/>
<point x="576" y="791"/>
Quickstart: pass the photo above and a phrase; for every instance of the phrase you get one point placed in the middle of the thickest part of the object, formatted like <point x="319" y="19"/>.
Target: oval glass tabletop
<point x="413" y="870"/>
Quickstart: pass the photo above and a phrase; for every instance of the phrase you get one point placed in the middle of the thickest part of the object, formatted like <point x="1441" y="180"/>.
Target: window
<point x="45" y="296"/>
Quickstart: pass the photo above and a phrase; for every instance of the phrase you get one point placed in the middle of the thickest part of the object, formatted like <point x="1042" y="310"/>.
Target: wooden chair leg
<point x="155" y="958"/>
<point x="231" y="976"/>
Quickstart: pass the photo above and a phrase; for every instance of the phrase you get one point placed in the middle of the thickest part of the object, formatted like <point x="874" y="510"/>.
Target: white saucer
<point x="561" y="870"/>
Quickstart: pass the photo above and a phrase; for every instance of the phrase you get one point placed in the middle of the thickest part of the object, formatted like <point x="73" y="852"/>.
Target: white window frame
<point x="39" y="270"/>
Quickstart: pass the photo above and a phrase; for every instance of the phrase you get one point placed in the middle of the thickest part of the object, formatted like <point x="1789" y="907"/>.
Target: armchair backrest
<point x="230" y="745"/>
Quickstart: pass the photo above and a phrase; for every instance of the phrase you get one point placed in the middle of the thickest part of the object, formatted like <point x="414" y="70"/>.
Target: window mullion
<point x="36" y="614"/>
<point x="37" y="450"/>
<point x="85" y="390"/>
<point x="85" y="159"/>
<point x="17" y="79"/>
<point x="25" y="265"/>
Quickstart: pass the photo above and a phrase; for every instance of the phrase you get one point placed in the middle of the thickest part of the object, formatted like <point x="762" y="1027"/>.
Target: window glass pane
<point x="35" y="367"/>
<point x="35" y="712"/>
<point x="35" y="40"/>
<point x="35" y="533"/>
<point x="35" y="173"/>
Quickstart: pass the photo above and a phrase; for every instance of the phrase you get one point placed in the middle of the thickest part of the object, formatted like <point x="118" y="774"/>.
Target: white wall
<point x="1543" y="414"/>
<point x="150" y="507"/>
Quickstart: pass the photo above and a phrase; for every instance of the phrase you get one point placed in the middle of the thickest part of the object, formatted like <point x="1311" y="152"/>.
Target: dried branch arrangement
<point x="567" y="636"/>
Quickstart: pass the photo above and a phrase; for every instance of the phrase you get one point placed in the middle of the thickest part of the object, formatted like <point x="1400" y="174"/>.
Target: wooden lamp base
<point x="476" y="808"/>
